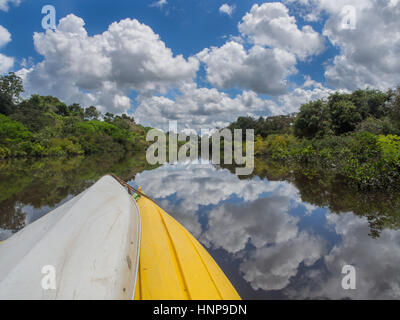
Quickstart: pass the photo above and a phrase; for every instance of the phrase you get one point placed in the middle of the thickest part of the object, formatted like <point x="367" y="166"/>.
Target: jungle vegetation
<point x="355" y="135"/>
<point x="42" y="126"/>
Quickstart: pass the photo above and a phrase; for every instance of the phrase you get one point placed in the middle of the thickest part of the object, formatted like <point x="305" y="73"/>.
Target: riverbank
<point x="44" y="126"/>
<point x="368" y="161"/>
<point x="69" y="136"/>
<point x="356" y="136"/>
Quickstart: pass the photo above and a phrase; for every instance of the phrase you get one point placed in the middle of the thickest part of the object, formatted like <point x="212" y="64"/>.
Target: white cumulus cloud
<point x="309" y="91"/>
<point x="368" y="52"/>
<point x="104" y="68"/>
<point x="6" y="63"/>
<point x="259" y="69"/>
<point x="5" y="36"/>
<point x="265" y="54"/>
<point x="198" y="108"/>
<point x="227" y="9"/>
<point x="5" y="4"/>
<point x="271" y="25"/>
<point x="159" y="3"/>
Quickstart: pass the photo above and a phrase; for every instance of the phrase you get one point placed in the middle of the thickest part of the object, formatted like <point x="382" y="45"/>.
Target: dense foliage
<point x="45" y="126"/>
<point x="356" y="135"/>
<point x="363" y="110"/>
<point x="265" y="126"/>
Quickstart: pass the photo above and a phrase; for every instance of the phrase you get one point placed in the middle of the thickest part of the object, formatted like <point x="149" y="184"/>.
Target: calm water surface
<point x="280" y="234"/>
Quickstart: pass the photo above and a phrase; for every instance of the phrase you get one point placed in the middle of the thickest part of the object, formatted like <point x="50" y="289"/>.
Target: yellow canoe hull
<point x="173" y="265"/>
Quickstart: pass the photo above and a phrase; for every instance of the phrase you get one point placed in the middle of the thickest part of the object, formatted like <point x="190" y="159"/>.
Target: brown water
<point x="283" y="233"/>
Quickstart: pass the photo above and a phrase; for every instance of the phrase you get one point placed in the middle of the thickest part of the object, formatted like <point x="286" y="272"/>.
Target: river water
<point x="282" y="233"/>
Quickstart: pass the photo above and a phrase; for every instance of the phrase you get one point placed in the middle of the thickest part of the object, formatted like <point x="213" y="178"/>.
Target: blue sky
<point x="186" y="26"/>
<point x="264" y="58"/>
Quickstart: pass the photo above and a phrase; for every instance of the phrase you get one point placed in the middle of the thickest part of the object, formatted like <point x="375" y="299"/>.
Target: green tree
<point x="35" y="114"/>
<point x="15" y="139"/>
<point x="394" y="107"/>
<point x="344" y="116"/>
<point x="109" y="117"/>
<point x="312" y="121"/>
<point x="63" y="110"/>
<point x="91" y="113"/>
<point x="370" y="103"/>
<point x="372" y="125"/>
<point x="10" y="92"/>
<point x="76" y="110"/>
<point x="124" y="122"/>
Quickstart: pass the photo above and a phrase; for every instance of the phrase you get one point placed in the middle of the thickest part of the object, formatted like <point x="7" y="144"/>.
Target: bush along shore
<point x="356" y="136"/>
<point x="45" y="126"/>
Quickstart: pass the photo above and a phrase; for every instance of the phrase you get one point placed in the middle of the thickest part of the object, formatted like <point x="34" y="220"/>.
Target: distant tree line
<point x="357" y="135"/>
<point x="363" y="110"/>
<point x="45" y="126"/>
<point x="265" y="126"/>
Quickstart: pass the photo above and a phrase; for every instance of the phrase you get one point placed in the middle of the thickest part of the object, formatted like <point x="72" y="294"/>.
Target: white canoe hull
<point x="91" y="242"/>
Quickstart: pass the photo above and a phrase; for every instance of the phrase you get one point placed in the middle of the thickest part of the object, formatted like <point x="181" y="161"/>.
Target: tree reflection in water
<point x="284" y="232"/>
<point x="46" y="183"/>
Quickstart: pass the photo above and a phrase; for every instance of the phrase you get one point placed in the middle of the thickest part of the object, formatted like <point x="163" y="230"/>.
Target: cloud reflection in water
<point x="280" y="242"/>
